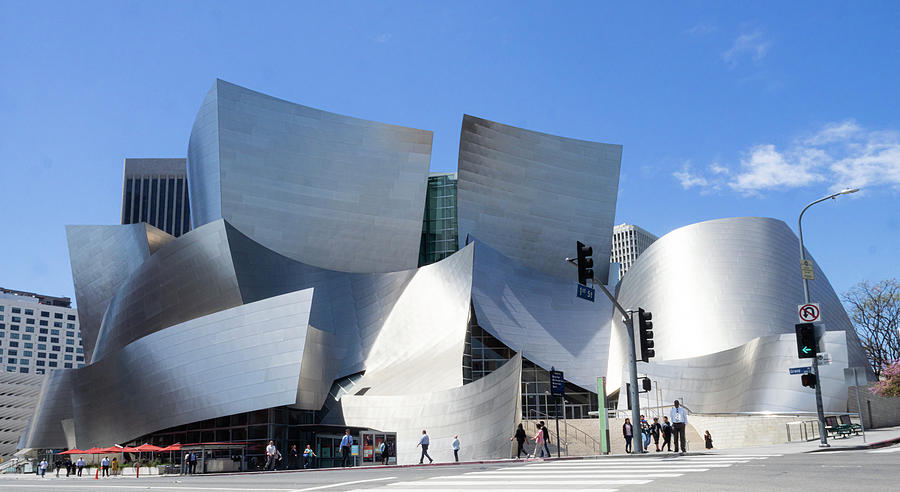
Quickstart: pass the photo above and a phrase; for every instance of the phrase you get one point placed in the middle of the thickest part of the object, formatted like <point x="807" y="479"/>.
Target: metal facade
<point x="123" y="249"/>
<point x="20" y="393"/>
<point x="328" y="190"/>
<point x="531" y="195"/>
<point x="717" y="285"/>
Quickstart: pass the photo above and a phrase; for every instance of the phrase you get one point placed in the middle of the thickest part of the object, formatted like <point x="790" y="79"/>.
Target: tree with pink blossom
<point x="889" y="386"/>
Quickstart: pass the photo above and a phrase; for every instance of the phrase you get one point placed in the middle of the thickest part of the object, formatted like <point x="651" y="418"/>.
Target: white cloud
<point x="384" y="37"/>
<point x="701" y="29"/>
<point x="752" y="45"/>
<point x="841" y="154"/>
<point x="689" y="180"/>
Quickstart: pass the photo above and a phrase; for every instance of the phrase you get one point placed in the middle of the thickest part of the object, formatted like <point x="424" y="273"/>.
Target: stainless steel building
<point x="295" y="307"/>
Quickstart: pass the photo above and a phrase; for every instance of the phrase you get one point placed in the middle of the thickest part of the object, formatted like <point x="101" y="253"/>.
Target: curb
<point x="871" y="445"/>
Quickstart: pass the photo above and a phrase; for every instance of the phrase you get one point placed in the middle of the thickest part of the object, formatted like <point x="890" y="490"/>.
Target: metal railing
<point x="578" y="434"/>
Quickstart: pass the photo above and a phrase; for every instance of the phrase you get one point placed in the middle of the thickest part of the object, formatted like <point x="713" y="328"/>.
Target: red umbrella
<point x="173" y="447"/>
<point x="112" y="449"/>
<point x="93" y="451"/>
<point x="129" y="449"/>
<point x="147" y="448"/>
<point x="72" y="451"/>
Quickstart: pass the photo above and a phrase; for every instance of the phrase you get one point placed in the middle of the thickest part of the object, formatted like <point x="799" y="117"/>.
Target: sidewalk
<point x="875" y="438"/>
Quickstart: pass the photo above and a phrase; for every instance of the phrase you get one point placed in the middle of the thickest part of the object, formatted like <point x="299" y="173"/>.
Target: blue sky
<point x="724" y="108"/>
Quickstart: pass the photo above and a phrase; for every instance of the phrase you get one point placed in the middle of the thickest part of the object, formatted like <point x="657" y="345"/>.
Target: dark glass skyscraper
<point x="439" y="226"/>
<point x="155" y="191"/>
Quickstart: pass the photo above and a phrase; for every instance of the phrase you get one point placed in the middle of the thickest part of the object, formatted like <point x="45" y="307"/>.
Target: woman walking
<point x="538" y="442"/>
<point x="628" y="432"/>
<point x="708" y="438"/>
<point x="520" y="437"/>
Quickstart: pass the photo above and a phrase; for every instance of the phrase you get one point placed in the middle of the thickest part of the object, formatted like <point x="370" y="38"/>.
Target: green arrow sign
<point x="806" y="350"/>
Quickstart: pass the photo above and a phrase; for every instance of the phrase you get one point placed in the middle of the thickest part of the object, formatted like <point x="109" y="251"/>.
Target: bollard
<point x="137" y="470"/>
<point x="97" y="474"/>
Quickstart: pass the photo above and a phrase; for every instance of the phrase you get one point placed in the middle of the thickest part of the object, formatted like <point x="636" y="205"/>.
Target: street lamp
<point x="823" y="437"/>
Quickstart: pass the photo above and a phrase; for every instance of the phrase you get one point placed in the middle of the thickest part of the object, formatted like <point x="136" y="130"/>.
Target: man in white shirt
<point x="678" y="416"/>
<point x="455" y="447"/>
<point x="270" y="455"/>
<point x="424" y="441"/>
<point x="346" y="442"/>
<point x="104" y="465"/>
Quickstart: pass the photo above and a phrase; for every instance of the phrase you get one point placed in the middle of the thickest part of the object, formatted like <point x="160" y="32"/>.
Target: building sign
<point x="557" y="383"/>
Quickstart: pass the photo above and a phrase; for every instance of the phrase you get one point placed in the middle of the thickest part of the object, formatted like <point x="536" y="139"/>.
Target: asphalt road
<point x="839" y="471"/>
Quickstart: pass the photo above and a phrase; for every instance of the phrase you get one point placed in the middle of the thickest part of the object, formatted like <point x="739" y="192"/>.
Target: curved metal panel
<point x="236" y="360"/>
<point x="715" y="285"/>
<point x="753" y="377"/>
<point x="53" y="406"/>
<point x="531" y="195"/>
<point x="539" y="315"/>
<point x="328" y="190"/>
<point x="484" y="414"/>
<point x="102" y="258"/>
<point x="191" y="276"/>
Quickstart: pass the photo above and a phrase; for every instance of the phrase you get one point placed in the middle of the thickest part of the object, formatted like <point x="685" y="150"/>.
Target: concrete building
<point x="440" y="229"/>
<point x="155" y="191"/>
<point x="38" y="333"/>
<point x="629" y="241"/>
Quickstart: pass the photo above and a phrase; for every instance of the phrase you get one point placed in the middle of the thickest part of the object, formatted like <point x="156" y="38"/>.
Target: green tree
<point x="875" y="312"/>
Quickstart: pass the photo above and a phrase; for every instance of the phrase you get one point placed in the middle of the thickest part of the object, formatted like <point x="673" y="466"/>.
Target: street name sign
<point x="809" y="313"/>
<point x="806" y="270"/>
<point x="800" y="370"/>
<point x="585" y="292"/>
<point x="557" y="383"/>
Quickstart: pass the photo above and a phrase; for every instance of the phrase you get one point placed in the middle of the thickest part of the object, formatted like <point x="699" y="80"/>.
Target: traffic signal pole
<point x="632" y="362"/>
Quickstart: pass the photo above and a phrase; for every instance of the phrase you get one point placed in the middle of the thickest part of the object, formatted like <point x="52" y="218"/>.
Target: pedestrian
<point x="58" y="465"/>
<point x="628" y="433"/>
<point x="667" y="433"/>
<point x="520" y="437"/>
<point x="538" y="442"/>
<point x="186" y="464"/>
<point x="43" y="467"/>
<point x="68" y="466"/>
<point x="192" y="463"/>
<point x="104" y="465"/>
<point x="270" y="456"/>
<point x="382" y="449"/>
<point x="390" y="450"/>
<point x="645" y="434"/>
<point x="424" y="441"/>
<point x="80" y="465"/>
<point x="708" y="438"/>
<point x="293" y="457"/>
<point x="308" y="455"/>
<point x="346" y="443"/>
<point x="655" y="429"/>
<point x="679" y="419"/>
<point x="455" y="447"/>
<point x="115" y="467"/>
<point x="546" y="431"/>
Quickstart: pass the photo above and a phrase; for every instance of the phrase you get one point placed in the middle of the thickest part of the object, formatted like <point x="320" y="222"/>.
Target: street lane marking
<point x="666" y="469"/>
<point x="57" y="486"/>
<point x="320" y="487"/>
<point x="555" y="476"/>
<point x="892" y="449"/>
<point x="457" y="482"/>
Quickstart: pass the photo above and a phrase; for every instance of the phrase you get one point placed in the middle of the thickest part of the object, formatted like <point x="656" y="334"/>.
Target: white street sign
<point x="806" y="270"/>
<point x="809" y="313"/>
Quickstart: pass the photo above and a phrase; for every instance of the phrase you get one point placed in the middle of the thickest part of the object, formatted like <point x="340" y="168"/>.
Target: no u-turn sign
<point x="809" y="313"/>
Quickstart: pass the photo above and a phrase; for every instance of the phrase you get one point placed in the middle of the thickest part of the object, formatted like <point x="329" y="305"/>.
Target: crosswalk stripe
<point x="616" y="474"/>
<point x="455" y="481"/>
<point x="434" y="489"/>
<point x="652" y="466"/>
<point x="593" y="471"/>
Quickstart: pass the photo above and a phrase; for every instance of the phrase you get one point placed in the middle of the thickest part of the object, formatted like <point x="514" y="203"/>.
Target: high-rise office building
<point x="155" y="191"/>
<point x="629" y="241"/>
<point x="440" y="237"/>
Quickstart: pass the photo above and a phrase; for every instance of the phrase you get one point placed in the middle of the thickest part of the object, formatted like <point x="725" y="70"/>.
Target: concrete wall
<point x="876" y="411"/>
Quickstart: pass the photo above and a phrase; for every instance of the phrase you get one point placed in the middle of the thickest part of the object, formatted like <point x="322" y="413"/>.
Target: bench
<point x="836" y="429"/>
<point x="846" y="422"/>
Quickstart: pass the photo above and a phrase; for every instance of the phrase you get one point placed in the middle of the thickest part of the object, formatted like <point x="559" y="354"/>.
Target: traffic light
<point x="808" y="380"/>
<point x="585" y="263"/>
<point x="646" y="384"/>
<point x="807" y="346"/>
<point x="645" y="331"/>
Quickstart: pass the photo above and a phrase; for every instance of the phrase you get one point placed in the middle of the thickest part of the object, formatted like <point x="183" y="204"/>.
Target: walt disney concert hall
<point x="297" y="306"/>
